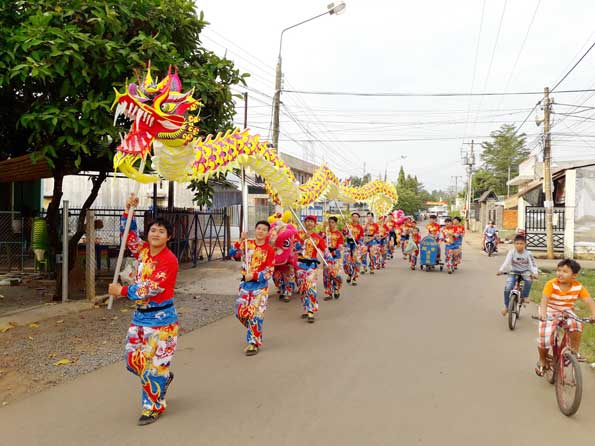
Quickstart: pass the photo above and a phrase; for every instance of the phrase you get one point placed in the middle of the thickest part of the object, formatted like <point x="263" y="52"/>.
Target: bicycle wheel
<point x="569" y="384"/>
<point x="513" y="310"/>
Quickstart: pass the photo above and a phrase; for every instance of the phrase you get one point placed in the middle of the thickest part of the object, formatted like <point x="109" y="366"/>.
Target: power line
<point x="483" y="7"/>
<point x="572" y="69"/>
<point x="407" y="94"/>
<point x="518" y="56"/>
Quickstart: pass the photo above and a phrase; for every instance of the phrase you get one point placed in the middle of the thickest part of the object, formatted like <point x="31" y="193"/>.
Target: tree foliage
<point x="412" y="195"/>
<point x="60" y="60"/>
<point x="506" y="149"/>
<point x="360" y="181"/>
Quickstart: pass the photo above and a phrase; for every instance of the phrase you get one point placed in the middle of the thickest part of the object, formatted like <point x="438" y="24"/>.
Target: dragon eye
<point x="168" y="107"/>
<point x="286" y="244"/>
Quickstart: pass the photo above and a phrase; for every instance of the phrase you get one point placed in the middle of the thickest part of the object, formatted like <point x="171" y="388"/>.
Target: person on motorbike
<point x="490" y="234"/>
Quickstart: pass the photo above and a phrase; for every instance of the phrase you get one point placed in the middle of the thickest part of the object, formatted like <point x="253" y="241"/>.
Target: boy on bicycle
<point x="519" y="262"/>
<point x="559" y="297"/>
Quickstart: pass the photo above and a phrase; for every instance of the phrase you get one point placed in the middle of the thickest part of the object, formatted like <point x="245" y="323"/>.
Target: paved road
<point x="409" y="358"/>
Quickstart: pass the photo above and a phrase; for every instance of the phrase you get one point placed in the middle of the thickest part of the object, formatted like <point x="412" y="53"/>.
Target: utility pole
<point x="244" y="185"/>
<point x="507" y="184"/>
<point x="277" y="103"/>
<point x="547" y="176"/>
<point x="364" y="172"/>
<point x="469" y="161"/>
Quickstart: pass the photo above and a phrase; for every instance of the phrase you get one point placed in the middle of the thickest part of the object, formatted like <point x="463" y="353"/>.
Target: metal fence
<point x="13" y="241"/>
<point x="535" y="227"/>
<point x="197" y="236"/>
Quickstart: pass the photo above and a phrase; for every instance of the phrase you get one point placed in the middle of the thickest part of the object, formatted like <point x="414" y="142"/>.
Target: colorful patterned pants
<point x="451" y="256"/>
<point x="149" y="351"/>
<point x="306" y="281"/>
<point x="370" y="250"/>
<point x="413" y="258"/>
<point x="351" y="262"/>
<point x="382" y="253"/>
<point x="332" y="278"/>
<point x="284" y="279"/>
<point x="250" y="308"/>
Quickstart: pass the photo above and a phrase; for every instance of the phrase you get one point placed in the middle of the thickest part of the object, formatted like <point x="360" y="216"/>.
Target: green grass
<point x="587" y="278"/>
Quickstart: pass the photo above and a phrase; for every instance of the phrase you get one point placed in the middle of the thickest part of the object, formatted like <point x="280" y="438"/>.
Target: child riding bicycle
<point x="559" y="297"/>
<point x="519" y="262"/>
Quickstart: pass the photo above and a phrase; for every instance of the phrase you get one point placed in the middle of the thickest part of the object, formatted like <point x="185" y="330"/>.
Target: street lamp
<point x="332" y="9"/>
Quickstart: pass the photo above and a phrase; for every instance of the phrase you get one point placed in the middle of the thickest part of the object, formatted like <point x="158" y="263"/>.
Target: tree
<point x="483" y="180"/>
<point x="360" y="181"/>
<point x="61" y="59"/>
<point x="506" y="150"/>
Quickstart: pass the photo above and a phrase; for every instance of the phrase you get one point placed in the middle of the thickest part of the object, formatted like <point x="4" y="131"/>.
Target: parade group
<point x="291" y="257"/>
<point x="280" y="252"/>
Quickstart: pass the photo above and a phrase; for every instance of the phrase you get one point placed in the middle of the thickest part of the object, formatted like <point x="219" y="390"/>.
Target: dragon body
<point x="163" y="125"/>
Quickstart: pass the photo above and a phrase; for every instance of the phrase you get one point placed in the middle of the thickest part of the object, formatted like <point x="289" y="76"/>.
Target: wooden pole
<point x="110" y="302"/>
<point x="91" y="261"/>
<point x="64" y="250"/>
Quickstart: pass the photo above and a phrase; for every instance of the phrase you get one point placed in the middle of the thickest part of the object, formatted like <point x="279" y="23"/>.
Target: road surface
<point x="407" y="357"/>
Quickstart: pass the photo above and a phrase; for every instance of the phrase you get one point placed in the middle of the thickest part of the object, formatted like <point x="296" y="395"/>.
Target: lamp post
<point x="332" y="9"/>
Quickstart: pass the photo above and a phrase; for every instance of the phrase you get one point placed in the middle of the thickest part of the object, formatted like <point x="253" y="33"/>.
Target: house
<point x="486" y="208"/>
<point x="574" y="206"/>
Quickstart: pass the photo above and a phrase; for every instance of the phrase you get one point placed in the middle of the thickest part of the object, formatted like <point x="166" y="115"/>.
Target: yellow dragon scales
<point x="161" y="118"/>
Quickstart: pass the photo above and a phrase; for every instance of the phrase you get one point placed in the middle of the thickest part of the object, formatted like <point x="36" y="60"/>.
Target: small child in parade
<point x="153" y="333"/>
<point x="258" y="259"/>
<point x="383" y="240"/>
<point x="370" y="250"/>
<point x="460" y="229"/>
<point x="331" y="271"/>
<point x="405" y="229"/>
<point x="559" y="297"/>
<point x="354" y="236"/>
<point x="390" y="223"/>
<point x="519" y="262"/>
<point x="451" y="244"/>
<point x="416" y="238"/>
<point x="310" y="244"/>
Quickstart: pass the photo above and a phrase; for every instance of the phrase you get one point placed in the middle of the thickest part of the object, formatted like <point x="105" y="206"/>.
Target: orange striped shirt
<point x="564" y="300"/>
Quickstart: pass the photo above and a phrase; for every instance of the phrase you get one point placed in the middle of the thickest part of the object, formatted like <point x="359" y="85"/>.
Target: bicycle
<point x="563" y="368"/>
<point x="515" y="302"/>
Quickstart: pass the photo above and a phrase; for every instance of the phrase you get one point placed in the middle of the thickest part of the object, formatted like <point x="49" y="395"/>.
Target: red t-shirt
<point x="309" y="251"/>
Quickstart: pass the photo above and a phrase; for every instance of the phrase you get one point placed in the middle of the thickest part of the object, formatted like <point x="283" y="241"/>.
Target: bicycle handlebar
<point x="567" y="315"/>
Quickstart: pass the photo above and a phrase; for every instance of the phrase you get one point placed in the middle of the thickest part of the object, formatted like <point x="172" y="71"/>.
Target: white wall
<point x="114" y="191"/>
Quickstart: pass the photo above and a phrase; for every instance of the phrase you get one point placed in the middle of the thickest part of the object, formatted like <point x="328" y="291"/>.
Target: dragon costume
<point x="163" y="123"/>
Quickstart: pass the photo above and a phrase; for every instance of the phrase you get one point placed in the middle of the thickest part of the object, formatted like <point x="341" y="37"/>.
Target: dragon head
<point x="282" y="236"/>
<point x="158" y="110"/>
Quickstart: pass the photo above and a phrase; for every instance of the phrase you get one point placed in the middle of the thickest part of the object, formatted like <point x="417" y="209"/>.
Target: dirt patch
<point x="30" y="356"/>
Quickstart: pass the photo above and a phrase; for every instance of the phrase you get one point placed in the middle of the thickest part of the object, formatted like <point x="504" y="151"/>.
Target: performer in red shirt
<point x="308" y="242"/>
<point x="258" y="261"/>
<point x="460" y="230"/>
<point x="433" y="229"/>
<point x="416" y="238"/>
<point x="370" y="251"/>
<point x="354" y="236"/>
<point x="331" y="271"/>
<point x="383" y="240"/>
<point x="153" y="333"/>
